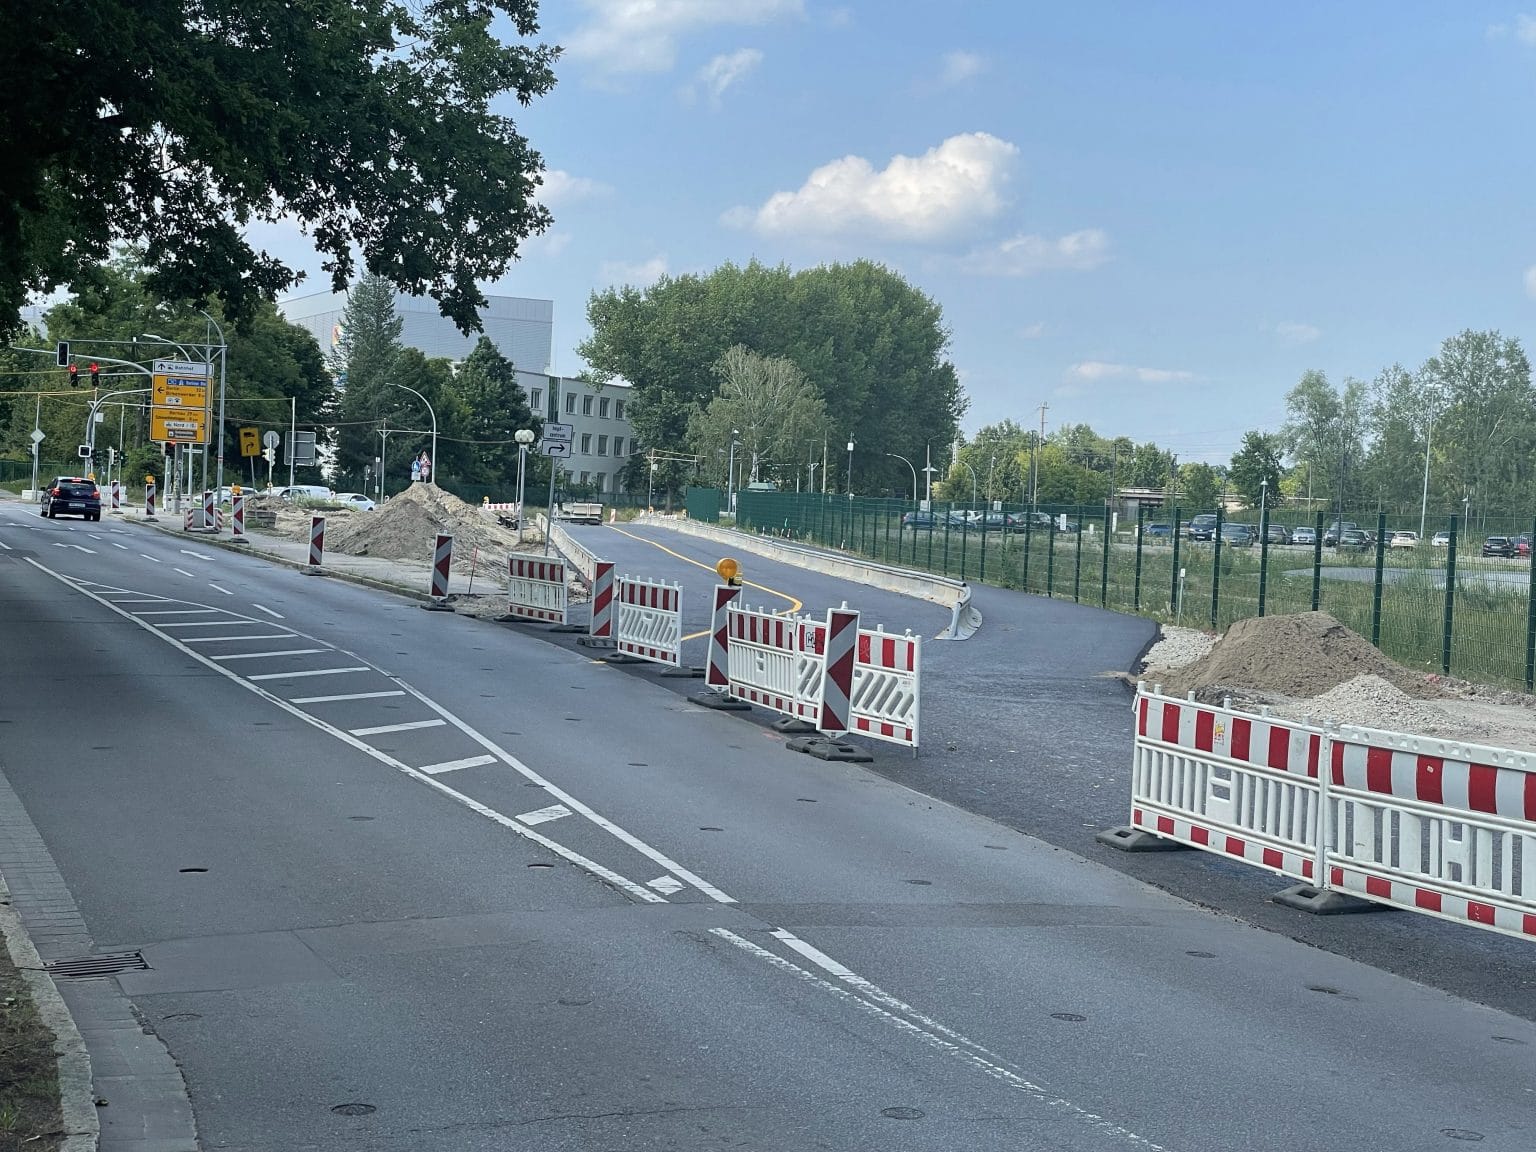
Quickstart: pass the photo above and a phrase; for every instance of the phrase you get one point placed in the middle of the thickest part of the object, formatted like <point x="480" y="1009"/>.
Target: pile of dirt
<point x="1300" y="655"/>
<point x="1371" y="702"/>
<point x="406" y="526"/>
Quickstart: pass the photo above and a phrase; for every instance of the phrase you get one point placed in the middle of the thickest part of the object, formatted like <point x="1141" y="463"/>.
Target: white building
<point x="602" y="440"/>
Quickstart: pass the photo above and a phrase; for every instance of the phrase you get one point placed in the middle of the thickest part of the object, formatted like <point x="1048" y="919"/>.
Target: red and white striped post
<point x="149" y="499"/>
<point x="602" y="601"/>
<point x="837" y="684"/>
<point x="237" y="534"/>
<point x="717" y="674"/>
<point x="117" y="497"/>
<point x="316" y="543"/>
<point x="442" y="563"/>
<point x="210" y="512"/>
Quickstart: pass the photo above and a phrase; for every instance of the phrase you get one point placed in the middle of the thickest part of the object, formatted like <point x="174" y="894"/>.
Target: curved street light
<point x="912" y="466"/>
<point x="431" y="413"/>
<point x="524" y="437"/>
<point x="972" y="471"/>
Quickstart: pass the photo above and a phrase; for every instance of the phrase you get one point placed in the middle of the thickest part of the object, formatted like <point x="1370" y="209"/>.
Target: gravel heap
<point x="1299" y="655"/>
<point x="1177" y="648"/>
<point x="1371" y="702"/>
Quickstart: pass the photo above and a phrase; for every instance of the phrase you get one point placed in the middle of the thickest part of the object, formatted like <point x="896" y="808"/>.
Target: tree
<point x="1397" y="416"/>
<point x="368" y="351"/>
<point x="368" y="122"/>
<point x="766" y="405"/>
<point x="1199" y="489"/>
<point x="497" y="407"/>
<point x="1326" y="428"/>
<point x="1256" y="470"/>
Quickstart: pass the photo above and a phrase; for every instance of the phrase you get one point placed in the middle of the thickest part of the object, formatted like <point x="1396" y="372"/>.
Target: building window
<point x="602" y="445"/>
<point x="618" y="445"/>
<point x="586" y="443"/>
<point x="601" y="476"/>
<point x="585" y="479"/>
<point x="570" y="403"/>
<point x="534" y="399"/>
<point x="586" y="405"/>
<point x="618" y="409"/>
<point x="602" y="408"/>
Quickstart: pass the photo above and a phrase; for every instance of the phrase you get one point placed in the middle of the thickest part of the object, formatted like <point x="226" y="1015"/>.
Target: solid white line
<point x="571" y="802"/>
<point x="267" y="610"/>
<point x="274" y="652"/>
<point x="147" y="556"/>
<point x="545" y="815"/>
<point x="316" y="672"/>
<point x="115" y="544"/>
<point x="225" y="623"/>
<point x="184" y="572"/>
<point x="456" y="765"/>
<point x="972" y="1056"/>
<point x="343" y="696"/>
<point x="167" y="611"/>
<point x="408" y="726"/>
<point x="255" y="636"/>
<point x="216" y="588"/>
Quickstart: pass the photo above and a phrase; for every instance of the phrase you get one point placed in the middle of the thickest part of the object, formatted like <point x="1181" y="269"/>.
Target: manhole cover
<point x="88" y="967"/>
<point x="902" y="1113"/>
<point x="353" y="1109"/>
<point x="1070" y="1017"/>
<point x="1461" y="1134"/>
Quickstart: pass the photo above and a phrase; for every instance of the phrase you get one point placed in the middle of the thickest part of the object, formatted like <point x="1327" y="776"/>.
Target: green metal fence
<point x="1439" y="605"/>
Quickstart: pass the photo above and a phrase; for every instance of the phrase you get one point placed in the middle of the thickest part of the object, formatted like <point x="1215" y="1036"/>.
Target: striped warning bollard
<point x="600" y="628"/>
<point x="316" y="545"/>
<point x="717" y="678"/>
<point x="837" y="683"/>
<point x="238" y="535"/>
<point x="117" y="497"/>
<point x="149" y="501"/>
<point x="442" y="563"/>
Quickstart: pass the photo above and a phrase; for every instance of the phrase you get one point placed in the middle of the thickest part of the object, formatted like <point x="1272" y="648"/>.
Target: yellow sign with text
<point x="178" y="424"/>
<point x="250" y="442"/>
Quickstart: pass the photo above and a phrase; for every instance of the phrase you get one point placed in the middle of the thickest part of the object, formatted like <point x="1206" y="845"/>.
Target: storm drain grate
<point x="86" y="967"/>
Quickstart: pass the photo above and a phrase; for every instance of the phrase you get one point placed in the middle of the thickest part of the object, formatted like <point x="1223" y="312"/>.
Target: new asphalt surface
<point x="410" y="880"/>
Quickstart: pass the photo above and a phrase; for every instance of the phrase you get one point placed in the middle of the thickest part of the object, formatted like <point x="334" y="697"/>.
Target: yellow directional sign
<point x="188" y="427"/>
<point x="180" y="410"/>
<point x="250" y="441"/>
<point x="180" y="392"/>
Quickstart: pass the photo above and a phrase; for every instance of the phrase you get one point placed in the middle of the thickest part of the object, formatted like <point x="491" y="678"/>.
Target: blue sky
<point x="1151" y="216"/>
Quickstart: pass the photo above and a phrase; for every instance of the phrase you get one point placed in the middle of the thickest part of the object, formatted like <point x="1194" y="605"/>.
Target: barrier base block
<point x="436" y="606"/>
<point x="622" y="658"/>
<point x="239" y="539"/>
<point x="684" y="673"/>
<point x="720" y="702"/>
<point x="1324" y="901"/>
<point x="1128" y="839"/>
<point x="312" y="570"/>
<point x="826" y="748"/>
<point x="790" y="726"/>
<point x="600" y="642"/>
<point x="571" y="628"/>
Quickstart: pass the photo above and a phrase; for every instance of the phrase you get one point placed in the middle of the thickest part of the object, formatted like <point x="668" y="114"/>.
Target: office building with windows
<point x="602" y="440"/>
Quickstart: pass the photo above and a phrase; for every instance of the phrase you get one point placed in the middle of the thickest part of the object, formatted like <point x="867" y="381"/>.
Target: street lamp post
<point x="928" y="471"/>
<point x="218" y="474"/>
<point x="990" y="468"/>
<point x="1424" y="499"/>
<point x="650" y="500"/>
<point x="850" y="470"/>
<point x="730" y="475"/>
<point x="524" y="437"/>
<point x="909" y="464"/>
<point x="972" y="471"/>
<point x="430" y="412"/>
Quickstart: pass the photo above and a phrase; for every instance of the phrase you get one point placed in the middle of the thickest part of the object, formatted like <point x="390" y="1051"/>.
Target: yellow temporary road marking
<point x="794" y="605"/>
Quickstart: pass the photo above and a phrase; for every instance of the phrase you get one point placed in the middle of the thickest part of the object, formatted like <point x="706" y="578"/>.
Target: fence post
<point x="1077" y="564"/>
<point x="1029" y="525"/>
<point x="1141" y="523"/>
<point x="931" y="525"/>
<point x="1104" y="567"/>
<point x="1263" y="556"/>
<point x="1216" y="566"/>
<point x="981" y="576"/>
<point x="1530" y="621"/>
<point x="1381" y="552"/>
<point x="1450" y="600"/>
<point x="1050" y="561"/>
<point x="1173" y="583"/>
<point x="1317" y="563"/>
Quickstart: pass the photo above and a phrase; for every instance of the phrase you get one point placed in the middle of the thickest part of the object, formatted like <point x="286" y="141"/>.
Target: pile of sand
<point x="1300" y="655"/>
<point x="406" y="528"/>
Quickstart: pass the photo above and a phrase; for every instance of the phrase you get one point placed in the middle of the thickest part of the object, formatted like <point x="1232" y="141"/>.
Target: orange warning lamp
<point x="729" y="571"/>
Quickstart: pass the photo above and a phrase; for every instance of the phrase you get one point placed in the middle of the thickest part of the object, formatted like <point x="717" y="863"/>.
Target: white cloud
<point x="727" y="68"/>
<point x="1293" y="333"/>
<point x="639" y="275"/>
<point x="1523" y="30"/>
<point x="1029" y="254"/>
<point x="642" y="35"/>
<point x="560" y="186"/>
<point x="1033" y="331"/>
<point x="1094" y="370"/>
<point x="1530" y="281"/>
<point x="912" y="198"/>
<point x="958" y="67"/>
<point x="546" y="244"/>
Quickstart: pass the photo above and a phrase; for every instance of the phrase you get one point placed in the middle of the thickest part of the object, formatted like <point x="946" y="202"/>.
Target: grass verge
<point x="29" y="1075"/>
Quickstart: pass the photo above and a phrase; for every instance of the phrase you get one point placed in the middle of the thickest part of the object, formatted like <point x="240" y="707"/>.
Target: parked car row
<point x="976" y="521"/>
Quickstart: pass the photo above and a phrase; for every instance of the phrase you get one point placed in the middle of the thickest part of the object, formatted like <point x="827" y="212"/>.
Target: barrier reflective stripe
<point x="117" y="495"/>
<point x="536" y="589"/>
<point x="717" y="670"/>
<point x="650" y="624"/>
<point x="602" y="600"/>
<point x="316" y="540"/>
<point x="887" y="687"/>
<point x="238" y="532"/>
<point x="442" y="562"/>
<point x="194" y="518"/>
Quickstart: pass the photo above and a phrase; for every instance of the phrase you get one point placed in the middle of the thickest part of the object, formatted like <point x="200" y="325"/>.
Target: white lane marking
<point x="343" y="696"/>
<point x="666" y="885"/>
<point x="225" y="623"/>
<point x="543" y="815"/>
<point x="76" y="547"/>
<point x="93" y="536"/>
<point x="184" y="572"/>
<point x="274" y="652"/>
<point x="167" y="611"/>
<point x="150" y="558"/>
<point x="216" y="588"/>
<point x="247" y="636"/>
<point x="456" y="765"/>
<point x="968" y="1052"/>
<point x="4" y="546"/>
<point x="199" y="555"/>
<point x="268" y="611"/>
<point x="297" y="675"/>
<point x="408" y="726"/>
<point x="571" y="802"/>
<point x="115" y="544"/>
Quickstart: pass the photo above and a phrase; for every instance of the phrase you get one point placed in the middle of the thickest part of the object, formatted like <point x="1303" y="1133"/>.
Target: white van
<point x="297" y="492"/>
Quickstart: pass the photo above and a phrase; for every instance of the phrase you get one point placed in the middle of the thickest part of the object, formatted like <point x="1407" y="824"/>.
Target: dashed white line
<point x="184" y="572"/>
<point x="343" y="696"/>
<point x="268" y="611"/>
<point x="199" y="555"/>
<point x="166" y="611"/>
<point x="197" y="623"/>
<point x="453" y="765"/>
<point x="312" y="672"/>
<point x="151" y="559"/>
<point x="544" y="815"/>
<point x="269" y="655"/>
<point x="216" y="588"/>
<point x="408" y="726"/>
<point x="247" y="636"/>
<point x="115" y="544"/>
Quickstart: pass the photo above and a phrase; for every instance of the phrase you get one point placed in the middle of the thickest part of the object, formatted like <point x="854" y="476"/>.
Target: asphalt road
<point x="512" y="898"/>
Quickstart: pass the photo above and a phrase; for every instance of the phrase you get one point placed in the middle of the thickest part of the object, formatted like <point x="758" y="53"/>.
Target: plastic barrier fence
<point x="650" y="620"/>
<point x="887" y="686"/>
<point x="536" y="589"/>
<point x="775" y="661"/>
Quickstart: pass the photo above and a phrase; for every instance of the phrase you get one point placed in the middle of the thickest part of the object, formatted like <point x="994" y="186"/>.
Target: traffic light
<point x="95" y="376"/>
<point x="74" y="375"/>
<point x="169" y="447"/>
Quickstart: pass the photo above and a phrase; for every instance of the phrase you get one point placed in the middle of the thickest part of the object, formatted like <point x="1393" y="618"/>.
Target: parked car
<point x="1498" y="546"/>
<point x="1159" y="531"/>
<point x="1279" y="534"/>
<point x="355" y="500"/>
<point x="1440" y="540"/>
<point x="1002" y="522"/>
<point x="1404" y="540"/>
<point x="917" y="520"/>
<point x="298" y="492"/>
<point x="1238" y="535"/>
<point x="1203" y="527"/>
<point x="1331" y="536"/>
<point x="1304" y="535"/>
<point x="72" y="496"/>
<point x="1523" y="544"/>
<point x="1353" y="540"/>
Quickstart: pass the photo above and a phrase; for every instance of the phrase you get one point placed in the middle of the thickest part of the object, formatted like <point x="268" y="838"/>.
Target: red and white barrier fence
<point x="801" y="667"/>
<point x="536" y="589"/>
<point x="442" y="563"/>
<point x="195" y="519"/>
<point x="887" y="687"/>
<point x="650" y="620"/>
<point x="1426" y="825"/>
<point x="601" y="625"/>
<point x="316" y="541"/>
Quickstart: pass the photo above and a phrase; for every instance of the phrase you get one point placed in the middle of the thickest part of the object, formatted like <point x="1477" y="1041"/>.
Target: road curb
<point x="77" y="1098"/>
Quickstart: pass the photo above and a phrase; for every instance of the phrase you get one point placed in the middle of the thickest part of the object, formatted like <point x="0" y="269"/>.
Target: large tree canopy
<point x="173" y="123"/>
<point x="871" y="346"/>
